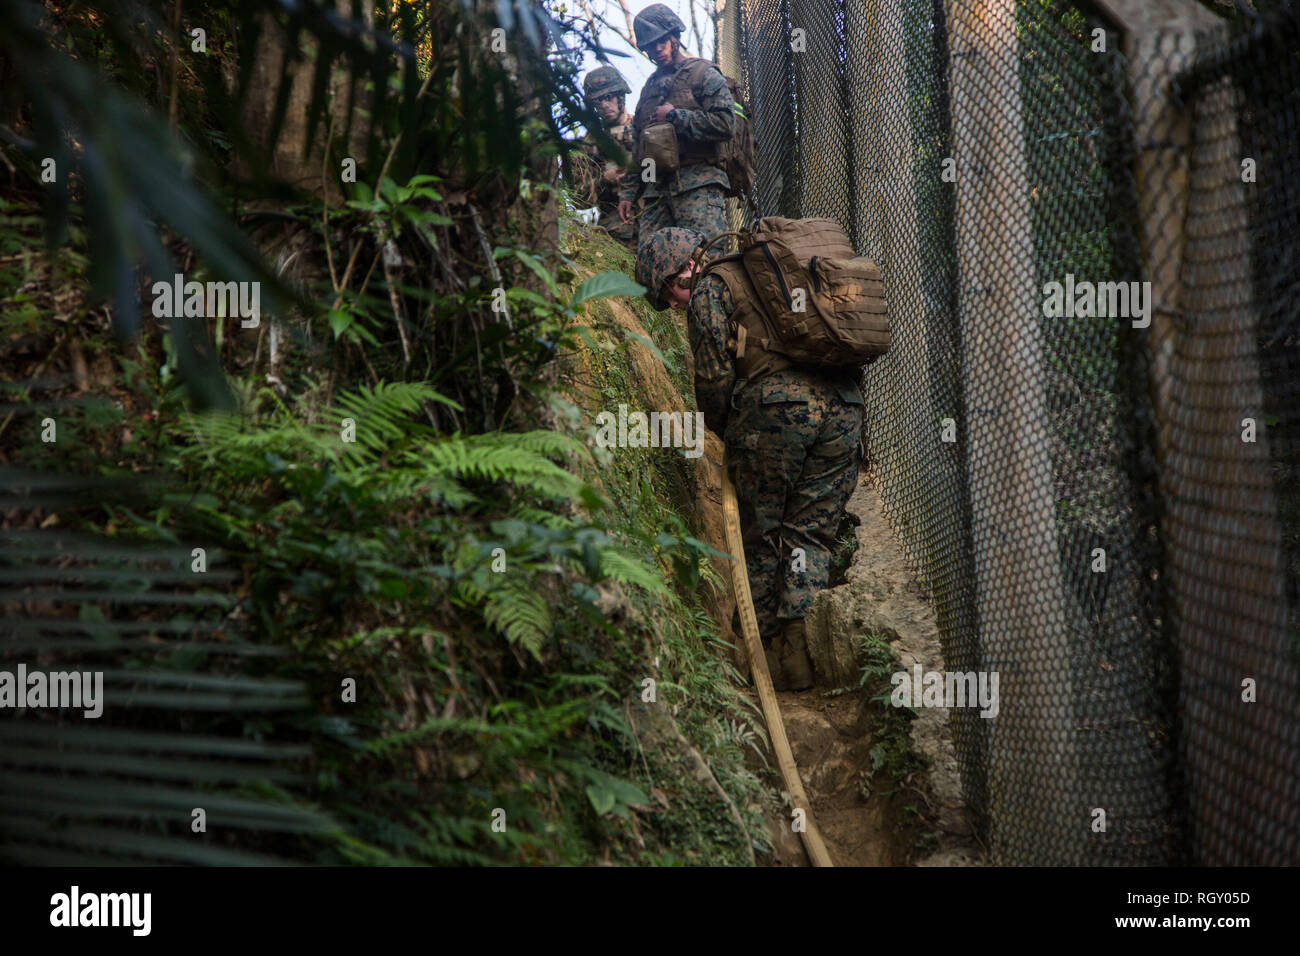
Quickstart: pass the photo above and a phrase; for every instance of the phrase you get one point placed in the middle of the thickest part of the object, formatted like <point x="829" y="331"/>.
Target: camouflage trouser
<point x="795" y="450"/>
<point x="703" y="209"/>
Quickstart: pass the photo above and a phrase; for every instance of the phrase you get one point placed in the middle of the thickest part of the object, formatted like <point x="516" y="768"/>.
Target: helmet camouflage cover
<point x="602" y="81"/>
<point x="662" y="256"/>
<point x="654" y="23"/>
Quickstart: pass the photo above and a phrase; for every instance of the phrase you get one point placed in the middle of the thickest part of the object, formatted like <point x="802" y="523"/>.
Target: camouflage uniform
<point x="602" y="193"/>
<point x="602" y="82"/>
<point x="794" y="442"/>
<point x="695" y="196"/>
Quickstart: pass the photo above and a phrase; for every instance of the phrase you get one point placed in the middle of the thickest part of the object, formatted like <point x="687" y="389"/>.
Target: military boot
<point x="774" y="668"/>
<point x="795" y="665"/>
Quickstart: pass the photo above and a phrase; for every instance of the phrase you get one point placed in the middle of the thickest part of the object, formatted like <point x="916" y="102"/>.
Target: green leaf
<point x="629" y="569"/>
<point x="705" y="548"/>
<point x="526" y="295"/>
<point x="604" y="285"/>
<point x="601" y="799"/>
<point x="610" y="794"/>
<point x="361" y="332"/>
<point x="878" y="757"/>
<point x="425" y="217"/>
<point x="654" y="349"/>
<point x="393" y="588"/>
<point x="626" y="792"/>
<point x="340" y="321"/>
<point x="535" y="264"/>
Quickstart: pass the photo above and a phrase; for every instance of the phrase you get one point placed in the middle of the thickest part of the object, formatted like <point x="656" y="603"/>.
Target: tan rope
<point x="812" y="838"/>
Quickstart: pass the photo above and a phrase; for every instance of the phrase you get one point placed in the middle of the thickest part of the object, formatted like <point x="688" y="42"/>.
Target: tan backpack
<point x="802" y="297"/>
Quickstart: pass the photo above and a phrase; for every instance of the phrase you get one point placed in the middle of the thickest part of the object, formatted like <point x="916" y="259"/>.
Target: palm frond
<point x="76" y="790"/>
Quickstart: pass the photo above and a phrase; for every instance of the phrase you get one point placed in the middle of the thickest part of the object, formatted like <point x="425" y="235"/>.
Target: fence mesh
<point x="1098" y="480"/>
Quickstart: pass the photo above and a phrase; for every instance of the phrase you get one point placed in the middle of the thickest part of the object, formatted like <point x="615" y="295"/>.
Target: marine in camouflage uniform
<point x="605" y="179"/>
<point x="794" y="444"/>
<point x="695" y="196"/>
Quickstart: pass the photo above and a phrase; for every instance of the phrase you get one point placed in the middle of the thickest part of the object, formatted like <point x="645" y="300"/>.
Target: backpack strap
<point x="702" y="249"/>
<point x="748" y="334"/>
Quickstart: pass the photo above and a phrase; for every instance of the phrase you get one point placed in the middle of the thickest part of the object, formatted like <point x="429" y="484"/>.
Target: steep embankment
<point x="698" y="736"/>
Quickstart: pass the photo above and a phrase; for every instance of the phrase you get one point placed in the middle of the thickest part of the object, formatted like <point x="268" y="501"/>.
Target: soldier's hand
<point x="625" y="211"/>
<point x="661" y="112"/>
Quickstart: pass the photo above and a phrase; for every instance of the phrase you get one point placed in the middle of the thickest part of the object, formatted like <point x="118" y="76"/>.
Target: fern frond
<point x="240" y="448"/>
<point x="628" y="569"/>
<point x="468" y="593"/>
<point x="381" y="416"/>
<point x="540" y="516"/>
<point x="505" y="458"/>
<point x="521" y="615"/>
<point x="419" y="484"/>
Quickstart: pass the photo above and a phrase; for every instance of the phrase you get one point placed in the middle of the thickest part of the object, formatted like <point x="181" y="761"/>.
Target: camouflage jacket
<point x="714" y="122"/>
<point x="597" y="190"/>
<point x="715" y="372"/>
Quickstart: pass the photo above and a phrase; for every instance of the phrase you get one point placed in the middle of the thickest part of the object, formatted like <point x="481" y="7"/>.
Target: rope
<point x="811" y="836"/>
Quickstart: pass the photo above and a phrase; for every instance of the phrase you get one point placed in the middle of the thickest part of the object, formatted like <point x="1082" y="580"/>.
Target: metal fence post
<point x="728" y="27"/>
<point x="1224" y="568"/>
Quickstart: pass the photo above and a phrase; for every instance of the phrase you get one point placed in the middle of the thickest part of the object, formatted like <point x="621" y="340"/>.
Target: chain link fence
<point x="1086" y="434"/>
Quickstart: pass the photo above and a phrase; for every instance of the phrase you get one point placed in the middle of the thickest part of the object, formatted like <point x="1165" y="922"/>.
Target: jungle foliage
<point x="358" y="585"/>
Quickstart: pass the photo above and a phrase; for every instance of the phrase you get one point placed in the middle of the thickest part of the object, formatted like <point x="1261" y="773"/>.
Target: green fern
<point x="381" y="417"/>
<point x="521" y="615"/>
<point x="382" y="423"/>
<point x="522" y="460"/>
<point x="542" y="517"/>
<point x="628" y="569"/>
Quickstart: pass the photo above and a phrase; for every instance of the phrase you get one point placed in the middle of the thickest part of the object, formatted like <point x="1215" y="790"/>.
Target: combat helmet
<point x="603" y="81"/>
<point x="661" y="257"/>
<point x="654" y="23"/>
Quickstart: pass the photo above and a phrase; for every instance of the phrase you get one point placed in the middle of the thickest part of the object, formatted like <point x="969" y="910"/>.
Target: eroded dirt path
<point x="867" y="817"/>
<point x="832" y="745"/>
